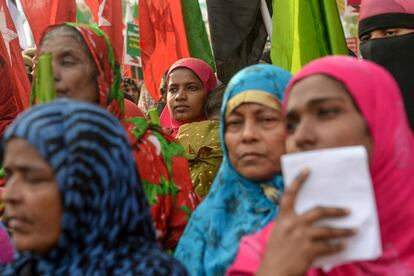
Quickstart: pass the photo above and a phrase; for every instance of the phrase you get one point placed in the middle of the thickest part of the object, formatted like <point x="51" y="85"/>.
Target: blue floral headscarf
<point x="235" y="205"/>
<point x="106" y="224"/>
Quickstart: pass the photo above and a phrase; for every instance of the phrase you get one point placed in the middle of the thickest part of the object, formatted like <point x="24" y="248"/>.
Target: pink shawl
<point x="6" y="248"/>
<point x="203" y="72"/>
<point x="392" y="169"/>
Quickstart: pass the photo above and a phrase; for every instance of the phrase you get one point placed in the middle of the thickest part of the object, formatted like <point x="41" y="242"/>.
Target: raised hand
<point x="295" y="241"/>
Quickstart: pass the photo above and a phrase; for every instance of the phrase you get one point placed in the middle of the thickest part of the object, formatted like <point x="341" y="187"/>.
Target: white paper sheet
<point x="339" y="177"/>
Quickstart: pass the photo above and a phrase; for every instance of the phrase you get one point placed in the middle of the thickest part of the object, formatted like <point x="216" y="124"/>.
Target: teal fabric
<point x="235" y="205"/>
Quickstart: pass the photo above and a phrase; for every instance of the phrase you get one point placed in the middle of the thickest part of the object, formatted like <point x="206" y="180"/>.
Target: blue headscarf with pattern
<point x="106" y="224"/>
<point x="235" y="205"/>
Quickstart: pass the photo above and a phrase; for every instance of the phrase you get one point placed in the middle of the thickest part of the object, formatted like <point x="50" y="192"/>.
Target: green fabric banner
<point x="197" y="39"/>
<point x="304" y="30"/>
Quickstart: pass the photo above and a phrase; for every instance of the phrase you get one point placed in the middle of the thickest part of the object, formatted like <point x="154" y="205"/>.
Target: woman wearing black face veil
<point x="386" y="31"/>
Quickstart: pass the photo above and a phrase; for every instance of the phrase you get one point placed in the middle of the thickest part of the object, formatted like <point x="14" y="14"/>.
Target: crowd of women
<point x="95" y="187"/>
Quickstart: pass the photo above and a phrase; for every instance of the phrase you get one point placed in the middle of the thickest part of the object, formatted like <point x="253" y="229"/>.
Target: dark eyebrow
<point x="26" y="168"/>
<point x="319" y="101"/>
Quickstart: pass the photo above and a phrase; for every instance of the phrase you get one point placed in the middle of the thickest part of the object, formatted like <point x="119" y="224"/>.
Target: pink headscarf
<point x="203" y="71"/>
<point x="371" y="8"/>
<point x="392" y="169"/>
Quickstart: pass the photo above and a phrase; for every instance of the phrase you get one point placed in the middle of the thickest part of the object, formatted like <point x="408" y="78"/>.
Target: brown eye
<point x="193" y="88"/>
<point x="365" y="38"/>
<point x="291" y="126"/>
<point x="172" y="90"/>
<point x="390" y="32"/>
<point x="233" y="124"/>
<point x="327" y="113"/>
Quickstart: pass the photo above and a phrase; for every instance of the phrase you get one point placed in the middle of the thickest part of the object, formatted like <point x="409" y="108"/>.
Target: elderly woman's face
<point x="255" y="140"/>
<point x="185" y="96"/>
<point x="321" y="114"/>
<point x="73" y="68"/>
<point x="32" y="199"/>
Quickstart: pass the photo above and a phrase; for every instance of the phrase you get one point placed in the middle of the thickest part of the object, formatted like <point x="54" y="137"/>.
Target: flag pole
<point x="267" y="19"/>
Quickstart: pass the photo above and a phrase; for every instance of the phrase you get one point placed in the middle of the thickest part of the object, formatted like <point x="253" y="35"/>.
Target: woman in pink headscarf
<point x="334" y="102"/>
<point x="189" y="81"/>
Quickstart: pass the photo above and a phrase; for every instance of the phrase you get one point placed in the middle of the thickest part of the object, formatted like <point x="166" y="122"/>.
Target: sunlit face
<point x="186" y="96"/>
<point x="255" y="140"/>
<point x="73" y="68"/>
<point x="32" y="199"/>
<point x="321" y="114"/>
<point x="383" y="33"/>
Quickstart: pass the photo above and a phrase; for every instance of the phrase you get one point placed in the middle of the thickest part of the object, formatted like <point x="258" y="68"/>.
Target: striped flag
<point x="304" y="31"/>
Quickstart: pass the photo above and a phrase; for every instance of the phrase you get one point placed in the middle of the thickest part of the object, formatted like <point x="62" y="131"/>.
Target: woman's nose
<point x="304" y="137"/>
<point x="11" y="192"/>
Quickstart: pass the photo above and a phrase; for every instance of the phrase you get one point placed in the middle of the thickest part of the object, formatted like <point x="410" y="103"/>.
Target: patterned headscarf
<point x="206" y="75"/>
<point x="109" y="74"/>
<point x="235" y="206"/>
<point x="106" y="224"/>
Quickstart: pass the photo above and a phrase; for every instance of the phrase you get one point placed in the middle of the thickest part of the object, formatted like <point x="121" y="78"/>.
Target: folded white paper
<point x="339" y="177"/>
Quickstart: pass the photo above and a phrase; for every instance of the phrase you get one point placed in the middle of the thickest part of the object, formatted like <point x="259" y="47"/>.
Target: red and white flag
<point x="42" y="13"/>
<point x="11" y="53"/>
<point x="108" y="16"/>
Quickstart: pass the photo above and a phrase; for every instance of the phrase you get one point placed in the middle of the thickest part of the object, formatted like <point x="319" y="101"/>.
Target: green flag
<point x="304" y="30"/>
<point x="197" y="39"/>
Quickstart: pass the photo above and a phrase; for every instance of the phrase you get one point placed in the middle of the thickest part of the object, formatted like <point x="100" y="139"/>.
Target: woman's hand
<point x="295" y="242"/>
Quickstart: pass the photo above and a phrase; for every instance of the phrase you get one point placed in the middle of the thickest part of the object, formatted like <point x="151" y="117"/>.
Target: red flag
<point x="109" y="18"/>
<point x="42" y="13"/>
<point x="163" y="39"/>
<point x="11" y="53"/>
<point x="8" y="105"/>
<point x="94" y="7"/>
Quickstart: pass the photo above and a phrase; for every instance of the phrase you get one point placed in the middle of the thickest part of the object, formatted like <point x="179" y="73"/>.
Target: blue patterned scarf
<point x="106" y="224"/>
<point x="235" y="205"/>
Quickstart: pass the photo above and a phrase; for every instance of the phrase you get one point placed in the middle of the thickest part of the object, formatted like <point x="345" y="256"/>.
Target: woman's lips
<point x="250" y="156"/>
<point x="181" y="108"/>
<point x="18" y="224"/>
<point x="62" y="94"/>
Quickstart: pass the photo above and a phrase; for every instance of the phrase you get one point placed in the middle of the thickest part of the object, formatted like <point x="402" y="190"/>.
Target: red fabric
<point x="132" y="110"/>
<point x="204" y="72"/>
<point x="378" y="98"/>
<point x="19" y="79"/>
<point x="42" y="13"/>
<point x="171" y="186"/>
<point x="371" y="8"/>
<point x="8" y="106"/>
<point x="163" y="39"/>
